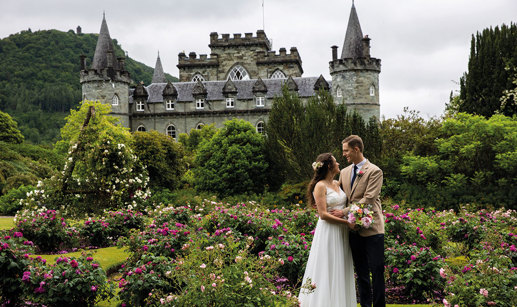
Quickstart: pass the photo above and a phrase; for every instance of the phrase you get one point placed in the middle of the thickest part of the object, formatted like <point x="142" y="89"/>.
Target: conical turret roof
<point x="353" y="46"/>
<point x="158" y="75"/>
<point x="104" y="49"/>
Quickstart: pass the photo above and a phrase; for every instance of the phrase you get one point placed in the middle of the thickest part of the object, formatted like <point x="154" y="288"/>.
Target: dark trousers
<point x="368" y="254"/>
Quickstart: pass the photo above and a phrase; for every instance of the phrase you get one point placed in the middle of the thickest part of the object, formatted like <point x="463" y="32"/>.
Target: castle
<point x="239" y="79"/>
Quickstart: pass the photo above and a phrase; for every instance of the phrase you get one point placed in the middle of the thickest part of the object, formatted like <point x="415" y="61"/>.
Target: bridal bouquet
<point x="361" y="215"/>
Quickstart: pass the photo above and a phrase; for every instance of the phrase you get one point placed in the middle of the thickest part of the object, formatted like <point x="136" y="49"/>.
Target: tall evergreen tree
<point x="492" y="53"/>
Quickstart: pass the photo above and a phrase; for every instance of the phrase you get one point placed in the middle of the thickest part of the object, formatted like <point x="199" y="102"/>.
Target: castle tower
<point x="107" y="79"/>
<point x="355" y="75"/>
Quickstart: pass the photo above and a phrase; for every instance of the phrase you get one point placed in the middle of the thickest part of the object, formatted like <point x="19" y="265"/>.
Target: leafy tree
<point x="233" y="161"/>
<point x="482" y="86"/>
<point x="476" y="162"/>
<point x="9" y="129"/>
<point x="162" y="156"/>
<point x="298" y="132"/>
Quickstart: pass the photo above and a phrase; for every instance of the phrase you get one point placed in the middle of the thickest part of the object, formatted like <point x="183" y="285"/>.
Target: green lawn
<point x="6" y="223"/>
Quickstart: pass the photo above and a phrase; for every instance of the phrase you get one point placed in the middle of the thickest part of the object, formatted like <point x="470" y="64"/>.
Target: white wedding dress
<point x="330" y="265"/>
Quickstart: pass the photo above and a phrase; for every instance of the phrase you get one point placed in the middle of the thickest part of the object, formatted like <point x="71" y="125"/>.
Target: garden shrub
<point x="10" y="203"/>
<point x="12" y="266"/>
<point x="70" y="281"/>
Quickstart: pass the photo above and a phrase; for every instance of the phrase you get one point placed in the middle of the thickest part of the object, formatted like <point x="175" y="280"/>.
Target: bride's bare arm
<point x="320" y="196"/>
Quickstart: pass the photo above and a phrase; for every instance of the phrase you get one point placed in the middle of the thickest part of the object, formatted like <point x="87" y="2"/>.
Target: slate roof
<point x="353" y="45"/>
<point x="244" y="89"/>
<point x="104" y="44"/>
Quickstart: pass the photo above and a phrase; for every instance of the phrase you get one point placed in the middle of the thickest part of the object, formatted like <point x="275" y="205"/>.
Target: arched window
<point x="141" y="128"/>
<point x="171" y="131"/>
<point x="115" y="100"/>
<point x="278" y="74"/>
<point x="198" y="77"/>
<point x="372" y="90"/>
<point x="260" y="127"/>
<point x="238" y="73"/>
<point x="199" y="126"/>
<point x="339" y="92"/>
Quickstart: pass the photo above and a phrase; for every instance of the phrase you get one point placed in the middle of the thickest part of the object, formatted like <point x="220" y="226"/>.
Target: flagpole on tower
<point x="263" y="23"/>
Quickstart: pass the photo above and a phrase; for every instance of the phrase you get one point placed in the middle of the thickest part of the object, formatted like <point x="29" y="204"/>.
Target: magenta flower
<point x="395" y="270"/>
<point x="138" y="270"/>
<point x="94" y="288"/>
<point x="89" y="259"/>
<point x="74" y="263"/>
<point x="290" y="258"/>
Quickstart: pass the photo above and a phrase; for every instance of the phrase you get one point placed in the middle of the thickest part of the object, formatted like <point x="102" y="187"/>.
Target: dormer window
<point x="140" y="106"/>
<point x="260" y="101"/>
<point x="238" y="73"/>
<point x="198" y="77"/>
<point x="200" y="104"/>
<point x="372" y="90"/>
<point x="278" y="74"/>
<point x="230" y="102"/>
<point x="115" y="100"/>
<point x="141" y="128"/>
<point x="169" y="105"/>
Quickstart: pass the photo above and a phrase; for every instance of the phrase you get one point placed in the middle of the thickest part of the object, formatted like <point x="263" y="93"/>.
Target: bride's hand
<point x="337" y="213"/>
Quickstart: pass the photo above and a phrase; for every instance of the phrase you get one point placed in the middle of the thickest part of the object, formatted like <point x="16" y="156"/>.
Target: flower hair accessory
<point x="316" y="165"/>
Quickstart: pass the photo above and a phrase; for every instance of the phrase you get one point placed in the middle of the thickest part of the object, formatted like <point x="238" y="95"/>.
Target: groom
<point x="362" y="182"/>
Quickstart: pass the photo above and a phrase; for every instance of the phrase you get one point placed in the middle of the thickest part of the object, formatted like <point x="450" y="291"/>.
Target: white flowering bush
<point x="101" y="171"/>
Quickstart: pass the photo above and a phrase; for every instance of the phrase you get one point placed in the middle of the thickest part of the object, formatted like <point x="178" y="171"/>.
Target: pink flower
<point x="483" y="292"/>
<point x="74" y="263"/>
<point x="202" y="288"/>
<point x="413" y="257"/>
<point x="214" y="285"/>
<point x="395" y="270"/>
<point x="94" y="288"/>
<point x="290" y="258"/>
<point x="203" y="266"/>
<point x="442" y="273"/>
<point x="89" y="259"/>
<point x="138" y="270"/>
<point x="512" y="248"/>
<point x="95" y="265"/>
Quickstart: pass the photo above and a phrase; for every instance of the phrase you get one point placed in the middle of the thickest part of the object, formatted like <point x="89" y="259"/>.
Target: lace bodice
<point x="335" y="200"/>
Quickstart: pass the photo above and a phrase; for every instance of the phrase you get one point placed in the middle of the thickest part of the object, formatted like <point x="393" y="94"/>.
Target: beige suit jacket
<point x="366" y="190"/>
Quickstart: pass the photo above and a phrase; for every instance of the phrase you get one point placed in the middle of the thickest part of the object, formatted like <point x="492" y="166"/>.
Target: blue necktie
<point x="353" y="176"/>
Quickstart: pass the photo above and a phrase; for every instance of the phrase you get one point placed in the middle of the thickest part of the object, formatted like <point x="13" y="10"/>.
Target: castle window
<point x="200" y="126"/>
<point x="140" y="105"/>
<point x="115" y="100"/>
<point x="141" y="128"/>
<point x="260" y="101"/>
<point x="372" y="90"/>
<point x="278" y="74"/>
<point x="260" y="127"/>
<point x="339" y="93"/>
<point x="238" y="73"/>
<point x="198" y="77"/>
<point x="230" y="102"/>
<point x="171" y="131"/>
<point x="169" y="104"/>
<point x="200" y="104"/>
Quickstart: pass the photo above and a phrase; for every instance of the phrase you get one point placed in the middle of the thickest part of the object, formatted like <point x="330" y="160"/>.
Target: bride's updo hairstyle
<point x="321" y="168"/>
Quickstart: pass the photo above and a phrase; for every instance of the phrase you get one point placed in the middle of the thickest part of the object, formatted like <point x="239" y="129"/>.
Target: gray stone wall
<point x="104" y="91"/>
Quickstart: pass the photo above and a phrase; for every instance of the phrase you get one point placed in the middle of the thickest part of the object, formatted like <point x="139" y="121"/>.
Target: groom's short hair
<point x="354" y="141"/>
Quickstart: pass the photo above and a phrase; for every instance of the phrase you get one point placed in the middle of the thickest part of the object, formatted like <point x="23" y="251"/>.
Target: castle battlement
<point x="339" y="65"/>
<point x="238" y="40"/>
<point x="108" y="74"/>
<point x="194" y="61"/>
<point x="271" y="57"/>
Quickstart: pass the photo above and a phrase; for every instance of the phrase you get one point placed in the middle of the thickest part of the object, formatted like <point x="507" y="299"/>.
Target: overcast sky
<point x="423" y="44"/>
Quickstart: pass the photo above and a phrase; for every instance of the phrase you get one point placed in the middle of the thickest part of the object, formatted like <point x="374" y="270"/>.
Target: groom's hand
<point x="337" y="213"/>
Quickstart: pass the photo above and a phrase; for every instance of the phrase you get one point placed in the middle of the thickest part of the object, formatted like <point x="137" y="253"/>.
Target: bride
<point x="329" y="274"/>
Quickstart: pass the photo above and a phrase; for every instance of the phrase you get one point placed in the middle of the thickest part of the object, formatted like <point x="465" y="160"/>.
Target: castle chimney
<point x="366" y="46"/>
<point x="83" y="61"/>
<point x="192" y="55"/>
<point x="334" y="53"/>
<point x="282" y="51"/>
<point x="110" y="59"/>
<point x="121" y="63"/>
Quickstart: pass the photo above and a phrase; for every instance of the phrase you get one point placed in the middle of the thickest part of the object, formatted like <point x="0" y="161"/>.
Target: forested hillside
<point x="39" y="78"/>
